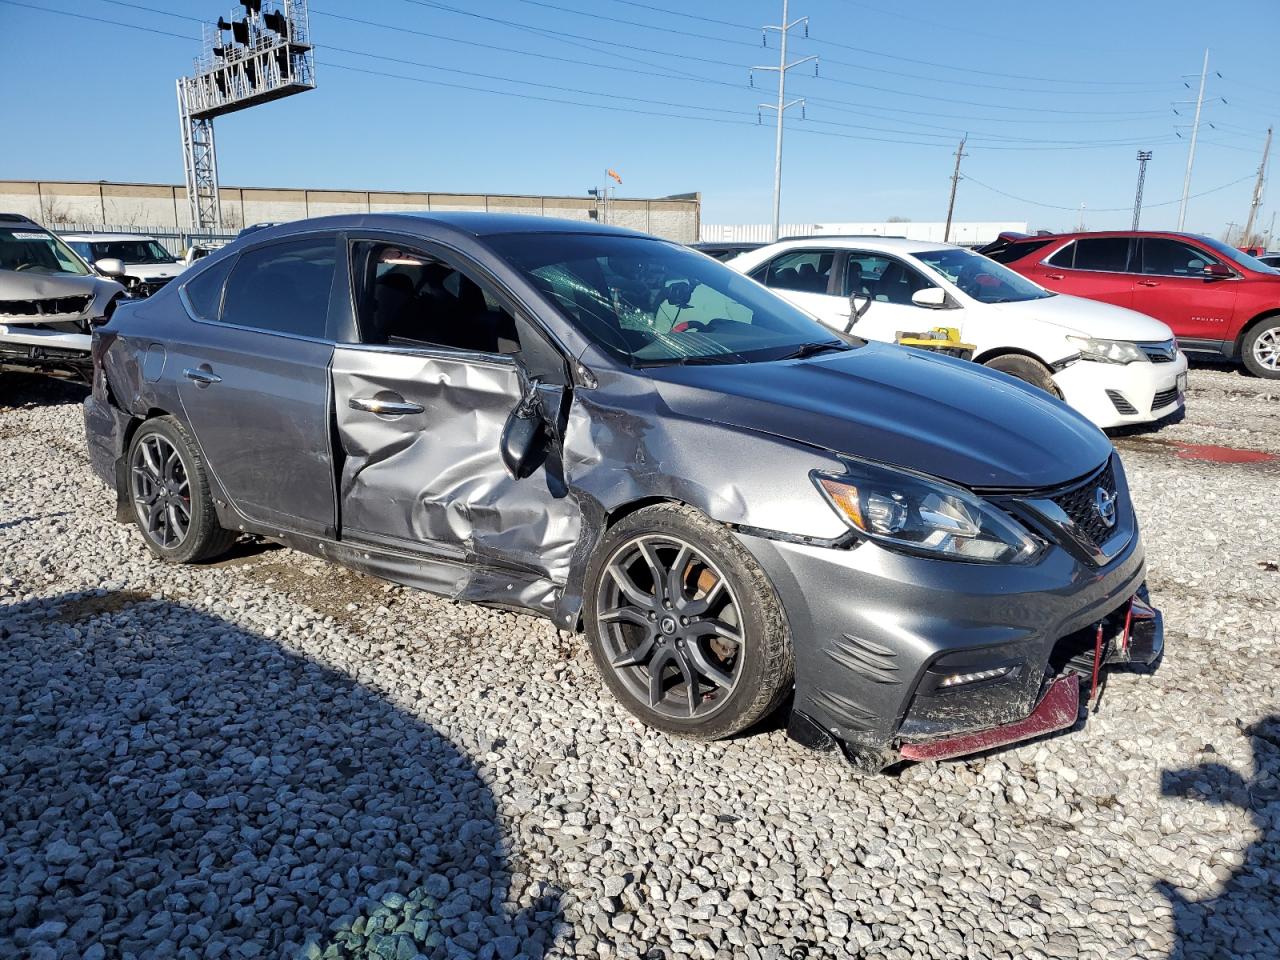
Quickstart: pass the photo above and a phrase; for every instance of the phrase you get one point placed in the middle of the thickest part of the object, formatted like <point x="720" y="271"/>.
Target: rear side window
<point x="283" y="287"/>
<point x="1107" y="254"/>
<point x="204" y="291"/>
<point x="807" y="271"/>
<point x="1010" y="252"/>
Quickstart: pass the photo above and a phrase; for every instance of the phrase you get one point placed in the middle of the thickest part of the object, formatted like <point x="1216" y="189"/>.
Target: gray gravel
<point x="272" y="757"/>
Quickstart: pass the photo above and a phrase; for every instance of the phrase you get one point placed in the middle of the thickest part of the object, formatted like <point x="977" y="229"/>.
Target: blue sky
<point x="1036" y="85"/>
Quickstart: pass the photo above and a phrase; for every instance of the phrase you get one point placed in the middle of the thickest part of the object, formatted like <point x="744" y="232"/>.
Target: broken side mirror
<point x="526" y="436"/>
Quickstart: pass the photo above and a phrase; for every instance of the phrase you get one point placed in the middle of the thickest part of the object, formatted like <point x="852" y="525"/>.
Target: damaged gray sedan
<point x="923" y="558"/>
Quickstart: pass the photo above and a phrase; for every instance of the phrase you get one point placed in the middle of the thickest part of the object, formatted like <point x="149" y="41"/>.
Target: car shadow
<point x="21" y="389"/>
<point x="174" y="785"/>
<point x="1241" y="920"/>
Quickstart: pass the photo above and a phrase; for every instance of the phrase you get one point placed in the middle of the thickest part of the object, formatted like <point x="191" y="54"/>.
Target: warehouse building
<point x="164" y="208"/>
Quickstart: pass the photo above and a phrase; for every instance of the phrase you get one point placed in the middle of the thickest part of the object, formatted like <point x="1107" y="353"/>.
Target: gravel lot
<point x="273" y="757"/>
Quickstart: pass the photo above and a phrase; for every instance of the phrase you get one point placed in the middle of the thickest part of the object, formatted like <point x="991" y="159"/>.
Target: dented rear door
<point x="421" y="469"/>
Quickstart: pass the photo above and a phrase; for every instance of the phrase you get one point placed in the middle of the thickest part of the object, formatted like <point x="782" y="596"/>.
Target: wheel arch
<point x="1007" y="351"/>
<point x="1237" y="345"/>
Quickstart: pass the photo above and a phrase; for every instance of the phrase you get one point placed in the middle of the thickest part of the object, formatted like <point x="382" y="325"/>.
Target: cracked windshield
<point x="657" y="304"/>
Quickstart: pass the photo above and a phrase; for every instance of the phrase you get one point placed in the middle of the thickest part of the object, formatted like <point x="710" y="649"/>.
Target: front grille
<point x="1121" y="404"/>
<point x="44" y="308"/>
<point x="145" y="288"/>
<point x="1080" y="505"/>
<point x="1164" y="398"/>
<point x="1165" y="351"/>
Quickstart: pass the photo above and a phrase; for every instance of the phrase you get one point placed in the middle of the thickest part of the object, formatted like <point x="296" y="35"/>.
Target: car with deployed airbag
<point x="737" y="506"/>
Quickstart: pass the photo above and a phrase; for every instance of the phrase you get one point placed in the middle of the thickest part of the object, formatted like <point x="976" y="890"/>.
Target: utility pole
<point x="1271" y="230"/>
<point x="784" y="29"/>
<point x="1143" y="157"/>
<point x="1080" y="226"/>
<point x="955" y="179"/>
<point x="1257" y="192"/>
<point x="1191" y="154"/>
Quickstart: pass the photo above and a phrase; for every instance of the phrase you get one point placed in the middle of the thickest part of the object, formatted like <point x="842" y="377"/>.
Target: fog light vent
<point x="959" y="679"/>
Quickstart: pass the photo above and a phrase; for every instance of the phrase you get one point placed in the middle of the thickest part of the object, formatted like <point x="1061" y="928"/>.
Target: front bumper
<point x="27" y="342"/>
<point x="876" y="632"/>
<point x="1116" y="394"/>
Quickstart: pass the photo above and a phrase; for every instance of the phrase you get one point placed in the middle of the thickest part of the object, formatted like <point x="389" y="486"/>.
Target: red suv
<point x="1218" y="301"/>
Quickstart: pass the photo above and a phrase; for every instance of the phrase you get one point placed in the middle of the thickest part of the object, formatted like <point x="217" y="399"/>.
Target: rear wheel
<point x="169" y="491"/>
<point x="1261" y="349"/>
<point x="1027" y="369"/>
<point x="685" y="629"/>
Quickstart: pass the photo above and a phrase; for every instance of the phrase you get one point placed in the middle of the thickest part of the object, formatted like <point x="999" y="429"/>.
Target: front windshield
<point x="131" y="251"/>
<point x="981" y="277"/>
<point x="654" y="303"/>
<point x="1239" y="256"/>
<point x="32" y="250"/>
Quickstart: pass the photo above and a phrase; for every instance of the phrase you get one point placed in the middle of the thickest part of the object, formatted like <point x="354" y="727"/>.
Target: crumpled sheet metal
<point x="622" y="445"/>
<point x="408" y="474"/>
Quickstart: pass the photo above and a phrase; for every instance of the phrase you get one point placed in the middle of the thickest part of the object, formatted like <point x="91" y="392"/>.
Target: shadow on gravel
<point x="1242" y="920"/>
<point x="174" y="786"/>
<point x="19" y="389"/>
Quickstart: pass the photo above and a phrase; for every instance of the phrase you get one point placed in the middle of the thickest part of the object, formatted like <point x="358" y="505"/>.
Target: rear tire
<point x="1260" y="349"/>
<point x="708" y="620"/>
<point x="168" y="490"/>
<point x="1026" y="369"/>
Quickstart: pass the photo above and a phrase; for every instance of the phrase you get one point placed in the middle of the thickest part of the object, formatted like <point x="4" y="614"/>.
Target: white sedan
<point x="1115" y="366"/>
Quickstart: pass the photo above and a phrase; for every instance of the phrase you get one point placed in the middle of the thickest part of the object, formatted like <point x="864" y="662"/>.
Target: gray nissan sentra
<point x="739" y="508"/>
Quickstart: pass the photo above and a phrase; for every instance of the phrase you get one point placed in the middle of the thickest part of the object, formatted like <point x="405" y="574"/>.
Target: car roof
<point x="474" y="223"/>
<point x="1176" y="234"/>
<point x="867" y="242"/>
<point x="96" y="237"/>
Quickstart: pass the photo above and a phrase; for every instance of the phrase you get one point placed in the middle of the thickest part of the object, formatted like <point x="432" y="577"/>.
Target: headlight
<point x="1107" y="351"/>
<point x="925" y="516"/>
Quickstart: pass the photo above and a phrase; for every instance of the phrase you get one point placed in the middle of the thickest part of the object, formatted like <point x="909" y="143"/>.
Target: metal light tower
<point x="267" y="56"/>
<point x="1143" y="157"/>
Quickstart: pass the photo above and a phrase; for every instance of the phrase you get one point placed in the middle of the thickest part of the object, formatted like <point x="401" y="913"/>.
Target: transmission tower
<point x="266" y="56"/>
<point x="784" y="30"/>
<point x="1143" y="157"/>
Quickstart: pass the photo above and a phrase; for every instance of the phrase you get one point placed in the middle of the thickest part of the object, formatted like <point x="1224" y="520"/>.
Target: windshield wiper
<point x="810" y="349"/>
<point x="691" y="361"/>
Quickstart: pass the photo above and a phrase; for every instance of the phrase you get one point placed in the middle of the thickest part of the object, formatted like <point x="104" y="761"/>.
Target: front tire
<point x="169" y="493"/>
<point x="1260" y="349"/>
<point x="685" y="628"/>
<point x="1026" y="369"/>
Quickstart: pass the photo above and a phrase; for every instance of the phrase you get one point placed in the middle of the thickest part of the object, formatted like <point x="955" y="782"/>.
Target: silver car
<point x="738" y="507"/>
<point x="49" y="299"/>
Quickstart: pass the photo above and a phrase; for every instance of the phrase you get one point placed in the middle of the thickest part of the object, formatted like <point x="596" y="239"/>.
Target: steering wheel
<point x="859" y="303"/>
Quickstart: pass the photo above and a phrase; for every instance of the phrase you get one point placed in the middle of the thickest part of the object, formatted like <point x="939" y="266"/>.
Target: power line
<point x="1000" y="143"/>
<point x="1145" y="206"/>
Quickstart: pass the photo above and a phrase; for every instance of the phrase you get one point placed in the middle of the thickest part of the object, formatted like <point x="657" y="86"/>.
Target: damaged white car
<point x="148" y="266"/>
<point x="49" y="299"/>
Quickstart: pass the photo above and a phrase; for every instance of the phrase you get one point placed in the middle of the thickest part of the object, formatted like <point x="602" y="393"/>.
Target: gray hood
<point x="25" y="285"/>
<point x="943" y="417"/>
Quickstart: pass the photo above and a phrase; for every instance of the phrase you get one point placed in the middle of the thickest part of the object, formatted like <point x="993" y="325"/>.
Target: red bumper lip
<point x="1059" y="708"/>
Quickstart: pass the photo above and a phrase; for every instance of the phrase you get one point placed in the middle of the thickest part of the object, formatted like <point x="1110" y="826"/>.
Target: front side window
<point x="650" y="302"/>
<point x="806" y="271"/>
<point x="38" y="252"/>
<point x="981" y="277"/>
<point x="406" y="298"/>
<point x="131" y="251"/>
<point x="283" y="287"/>
<point x="1105" y="254"/>
<point x="1171" y="258"/>
<point x="884" y="279"/>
